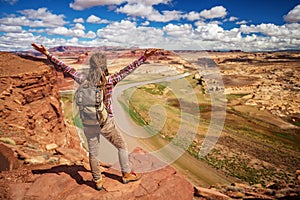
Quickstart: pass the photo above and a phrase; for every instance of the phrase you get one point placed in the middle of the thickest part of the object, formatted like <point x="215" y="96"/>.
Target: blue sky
<point x="249" y="25"/>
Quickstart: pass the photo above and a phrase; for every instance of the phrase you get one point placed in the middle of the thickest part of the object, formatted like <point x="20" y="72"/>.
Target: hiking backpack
<point x="90" y="102"/>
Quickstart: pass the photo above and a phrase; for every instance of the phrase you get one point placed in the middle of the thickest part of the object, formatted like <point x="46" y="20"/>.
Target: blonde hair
<point x="98" y="70"/>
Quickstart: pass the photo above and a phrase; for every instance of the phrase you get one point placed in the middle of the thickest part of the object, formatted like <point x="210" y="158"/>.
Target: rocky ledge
<point x="74" y="182"/>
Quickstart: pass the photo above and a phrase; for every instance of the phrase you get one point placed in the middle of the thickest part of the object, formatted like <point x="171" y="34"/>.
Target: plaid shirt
<point x="112" y="80"/>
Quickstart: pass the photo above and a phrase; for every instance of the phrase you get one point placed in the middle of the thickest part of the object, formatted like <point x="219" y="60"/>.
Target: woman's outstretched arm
<point x="115" y="78"/>
<point x="58" y="64"/>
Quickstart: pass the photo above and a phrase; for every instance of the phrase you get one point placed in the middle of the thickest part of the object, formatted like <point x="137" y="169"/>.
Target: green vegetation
<point x="155" y="89"/>
<point x="231" y="97"/>
<point x="67" y="100"/>
<point x="7" y="140"/>
<point x="78" y="122"/>
<point x="72" y="116"/>
<point x="297" y="123"/>
<point x="285" y="136"/>
<point x="239" y="168"/>
<point x="134" y="115"/>
<point x="239" y="125"/>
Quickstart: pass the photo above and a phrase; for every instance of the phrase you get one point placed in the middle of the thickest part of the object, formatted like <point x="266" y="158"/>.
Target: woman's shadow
<point x="73" y="172"/>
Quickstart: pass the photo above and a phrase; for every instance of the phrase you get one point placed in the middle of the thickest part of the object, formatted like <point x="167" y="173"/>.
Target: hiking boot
<point x="130" y="177"/>
<point x="99" y="183"/>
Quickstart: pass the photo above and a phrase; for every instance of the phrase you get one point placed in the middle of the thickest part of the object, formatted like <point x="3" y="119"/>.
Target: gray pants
<point x="114" y="136"/>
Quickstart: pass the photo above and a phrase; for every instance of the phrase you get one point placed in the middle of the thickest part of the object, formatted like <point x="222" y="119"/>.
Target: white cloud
<point x="78" y="26"/>
<point x="170" y="15"/>
<point x="90" y="34"/>
<point x="232" y="18"/>
<point x="76" y="31"/>
<point x="141" y="10"/>
<point x="10" y="29"/>
<point x="146" y="23"/>
<point x="166" y="16"/>
<point x="127" y="33"/>
<point x="145" y="9"/>
<point x="78" y="20"/>
<point x="45" y="16"/>
<point x="284" y="31"/>
<point x="178" y="30"/>
<point x="215" y="12"/>
<point x="60" y="31"/>
<point x="83" y="4"/>
<point x="210" y="31"/>
<point x="149" y="2"/>
<point x="21" y="21"/>
<point x="293" y="15"/>
<point x="96" y="20"/>
<point x="200" y="23"/>
<point x="16" y="41"/>
<point x="192" y="16"/>
<point x="242" y="22"/>
<point x="37" y="30"/>
<point x="34" y="18"/>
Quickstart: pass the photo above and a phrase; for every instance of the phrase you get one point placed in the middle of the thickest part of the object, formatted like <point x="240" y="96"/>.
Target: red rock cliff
<point x="31" y="117"/>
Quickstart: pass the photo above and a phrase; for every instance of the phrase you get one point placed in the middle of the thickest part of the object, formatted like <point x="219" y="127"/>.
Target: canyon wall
<point x="31" y="117"/>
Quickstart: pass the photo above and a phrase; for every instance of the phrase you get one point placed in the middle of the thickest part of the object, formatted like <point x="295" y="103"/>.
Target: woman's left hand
<point x="42" y="49"/>
<point x="150" y="52"/>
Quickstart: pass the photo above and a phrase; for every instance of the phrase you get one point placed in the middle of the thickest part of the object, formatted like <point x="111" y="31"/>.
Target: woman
<point x="98" y="77"/>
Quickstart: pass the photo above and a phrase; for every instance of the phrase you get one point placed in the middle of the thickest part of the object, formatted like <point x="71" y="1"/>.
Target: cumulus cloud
<point x="192" y="16"/>
<point x="22" y="41"/>
<point x="23" y="21"/>
<point x="146" y="23"/>
<point x="284" y="31"/>
<point x="10" y="29"/>
<point x="96" y="20"/>
<point x="78" y="26"/>
<point x="127" y="33"/>
<point x="141" y="10"/>
<point x="293" y="15"/>
<point x="16" y="41"/>
<point x="215" y="12"/>
<point x="242" y="22"/>
<point x="78" y="20"/>
<point x="90" y="34"/>
<point x="76" y="31"/>
<point x="231" y="19"/>
<point x="165" y="16"/>
<point x="45" y="16"/>
<point x="146" y="10"/>
<point x="84" y="4"/>
<point x="178" y="30"/>
<point x="34" y="18"/>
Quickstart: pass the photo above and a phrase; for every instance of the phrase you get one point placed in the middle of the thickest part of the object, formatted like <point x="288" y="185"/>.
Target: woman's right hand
<point x="40" y="49"/>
